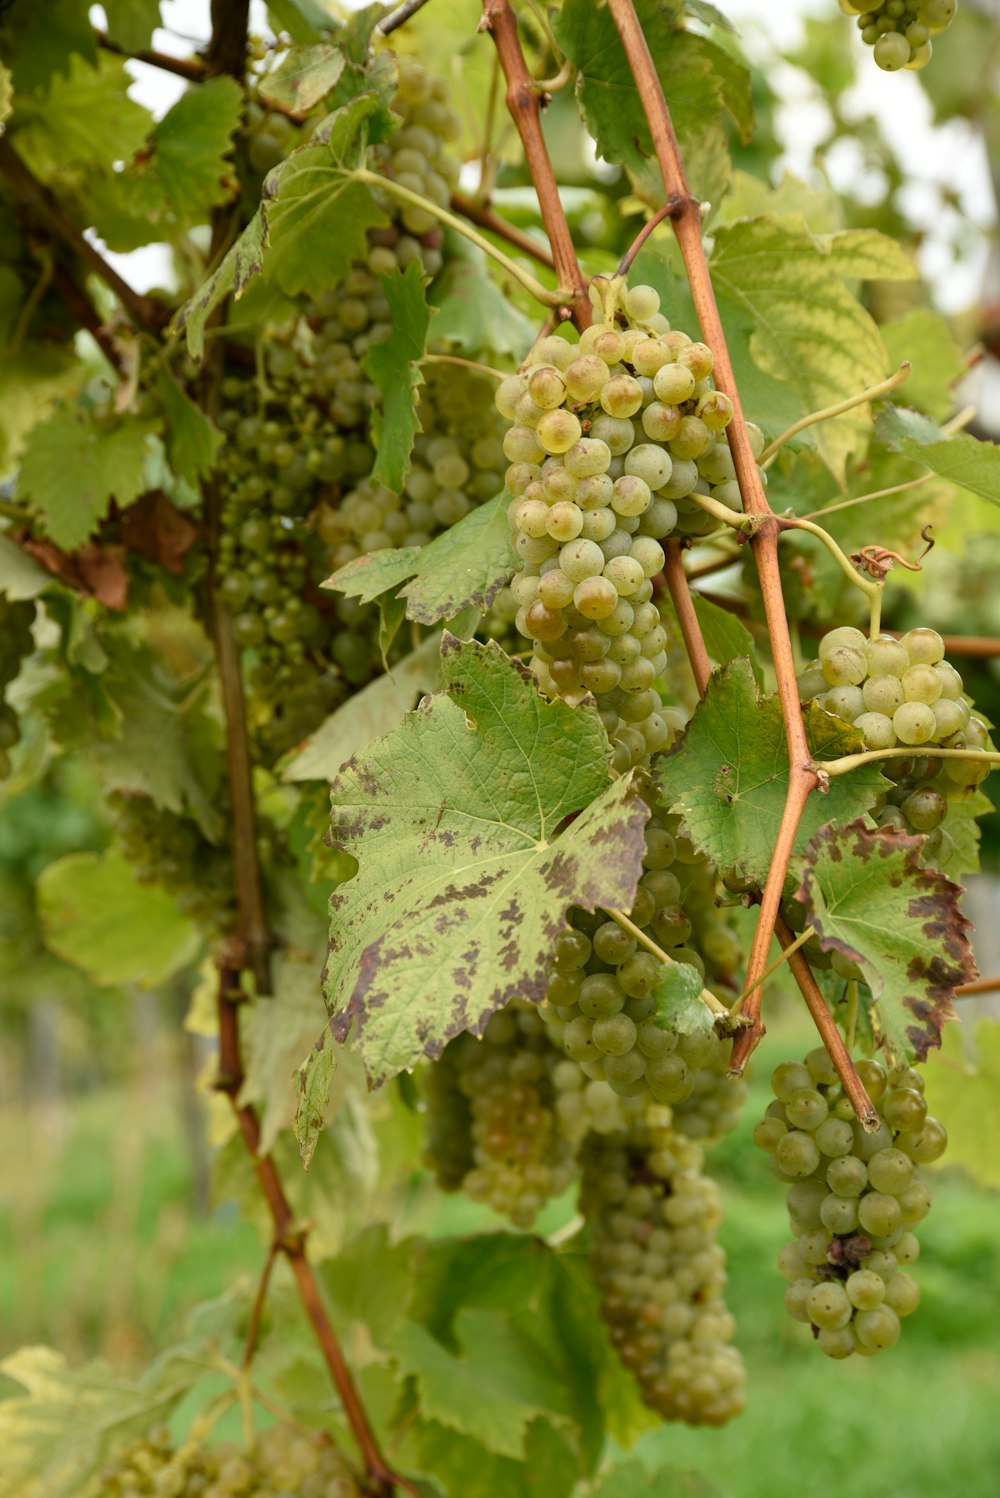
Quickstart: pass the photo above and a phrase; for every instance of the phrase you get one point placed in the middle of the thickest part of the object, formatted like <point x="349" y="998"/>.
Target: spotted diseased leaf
<point x="868" y="897"/>
<point x="464" y="567"/>
<point x="395" y="367"/>
<point x="963" y="460"/>
<point x="728" y="777"/>
<point x="312" y="1086"/>
<point x="465" y="872"/>
<point x="312" y="222"/>
<point x="303" y="77"/>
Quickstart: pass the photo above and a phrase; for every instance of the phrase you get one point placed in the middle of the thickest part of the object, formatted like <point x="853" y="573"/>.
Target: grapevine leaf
<point x="963" y="460"/>
<point x="303" y="77"/>
<point x="963" y="1088"/>
<point x="464" y="879"/>
<point x="71" y="471"/>
<point x="791" y="318"/>
<point x="490" y="1387"/>
<point x="959" y="851"/>
<point x="91" y="906"/>
<point x="726" y="637"/>
<point x="395" y="367"/>
<point x="192" y="441"/>
<point x="84" y="122"/>
<point x="131" y="23"/>
<point x="280" y="1031"/>
<point x="473" y="314"/>
<point x="190" y="145"/>
<point x="708" y="14"/>
<point x="312" y="222"/>
<point x="926" y="340"/>
<point x="678" y="1000"/>
<point x="633" y="1480"/>
<point x="313" y="1079"/>
<point x="465" y="566"/>
<point x="56" y="1436"/>
<point x="728" y="777"/>
<point x="20" y="575"/>
<point x="464" y="1465"/>
<point x="868" y="898"/>
<point x="31" y="381"/>
<point x="368" y="714"/>
<point x="40" y="39"/>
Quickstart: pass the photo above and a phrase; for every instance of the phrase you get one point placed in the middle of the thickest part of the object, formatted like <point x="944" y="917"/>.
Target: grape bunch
<point x="899" y="31"/>
<point x="504" y="1145"/>
<point x="903" y="693"/>
<point x="853" y="1198"/>
<point x="654" y="1218"/>
<point x="600" y="999"/>
<point x="172" y="851"/>
<point x="282" y="1462"/>
<point x="602" y="453"/>
<point x="16" y="643"/>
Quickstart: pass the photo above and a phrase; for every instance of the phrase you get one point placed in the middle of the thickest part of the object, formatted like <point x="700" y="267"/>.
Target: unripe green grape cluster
<point x="283" y="1461"/>
<point x="654" y="1218"/>
<point x="171" y="850"/>
<point x="600" y="1002"/>
<point x="602" y="446"/>
<point x="16" y="644"/>
<point x="854" y="1198"/>
<point x="903" y="693"/>
<point x="899" y="31"/>
<point x="514" y="1155"/>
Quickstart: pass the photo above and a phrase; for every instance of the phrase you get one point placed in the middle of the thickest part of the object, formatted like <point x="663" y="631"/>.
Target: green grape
<point x="891" y="51"/>
<point x="913" y="723"/>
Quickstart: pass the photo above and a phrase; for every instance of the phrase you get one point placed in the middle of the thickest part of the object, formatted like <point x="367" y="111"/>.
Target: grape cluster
<point x="519" y="1157"/>
<point x="853" y="1198"/>
<point x="903" y="693"/>
<point x="170" y="850"/>
<point x="603" y="453"/>
<point x="654" y="1217"/>
<point x="16" y="643"/>
<point x="900" y="31"/>
<point x="600" y="1000"/>
<point x="282" y="1462"/>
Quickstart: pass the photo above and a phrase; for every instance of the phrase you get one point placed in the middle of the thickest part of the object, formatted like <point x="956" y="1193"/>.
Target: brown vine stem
<point x="190" y="68"/>
<point x="525" y="109"/>
<point x="144" y="312"/>
<point x="625" y="262"/>
<point x="289" y="1239"/>
<point x="680" y="597"/>
<point x="486" y="217"/>
<point x="824" y="1021"/>
<point x="978" y="985"/>
<point x="260" y="1300"/>
<point x="399" y="16"/>
<point x="686" y="217"/>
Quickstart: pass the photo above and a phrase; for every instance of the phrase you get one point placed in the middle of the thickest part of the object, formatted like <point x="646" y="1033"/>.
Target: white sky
<point x="951" y="156"/>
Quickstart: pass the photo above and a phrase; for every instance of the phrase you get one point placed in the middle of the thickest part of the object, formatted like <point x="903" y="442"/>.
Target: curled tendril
<point x="877" y="561"/>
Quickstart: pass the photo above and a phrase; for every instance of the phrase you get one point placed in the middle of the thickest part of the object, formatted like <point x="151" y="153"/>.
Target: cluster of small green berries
<point x="654" y="1218"/>
<point x="171" y="850"/>
<point x="16" y="643"/>
<point x="282" y="1462"/>
<point x="899" y="31"/>
<point x="853" y="1198"/>
<point x="903" y="693"/>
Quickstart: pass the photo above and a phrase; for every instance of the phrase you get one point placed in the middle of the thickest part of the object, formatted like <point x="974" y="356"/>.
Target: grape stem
<point x="525" y="108"/>
<point x="487" y="218"/>
<point x="685" y="213"/>
<point x="854" y="1088"/>
<point x="707" y="997"/>
<point x="486" y="369"/>
<point x="868" y="586"/>
<point x="687" y="618"/>
<point x="747" y="525"/>
<point x="829" y="412"/>
<point x="625" y="263"/>
<point x="851" y="762"/>
<point x="787" y="952"/>
<point x="395" y="189"/>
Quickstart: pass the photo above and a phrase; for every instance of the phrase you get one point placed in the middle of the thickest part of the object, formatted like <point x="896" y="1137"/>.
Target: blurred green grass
<point x="102" y="1254"/>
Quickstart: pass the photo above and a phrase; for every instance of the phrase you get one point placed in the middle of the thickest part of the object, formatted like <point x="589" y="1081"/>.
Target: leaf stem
<point x="787" y="952"/>
<point x="868" y="586"/>
<point x="486" y="369"/>
<point x="685" y="214"/>
<point x="627" y="924"/>
<point x="395" y="189"/>
<point x="658" y="217"/>
<point x="680" y="597"/>
<point x="829" y="412"/>
<point x="831" y="1037"/>
<point x="487" y="218"/>
<point x="524" y="107"/>
<point x="863" y="499"/>
<point x="851" y="762"/>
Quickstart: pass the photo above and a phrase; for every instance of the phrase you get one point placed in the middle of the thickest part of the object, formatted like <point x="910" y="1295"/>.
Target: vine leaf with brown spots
<point x="475" y="824"/>
<point x="728" y="777"/>
<point x="868" y="898"/>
